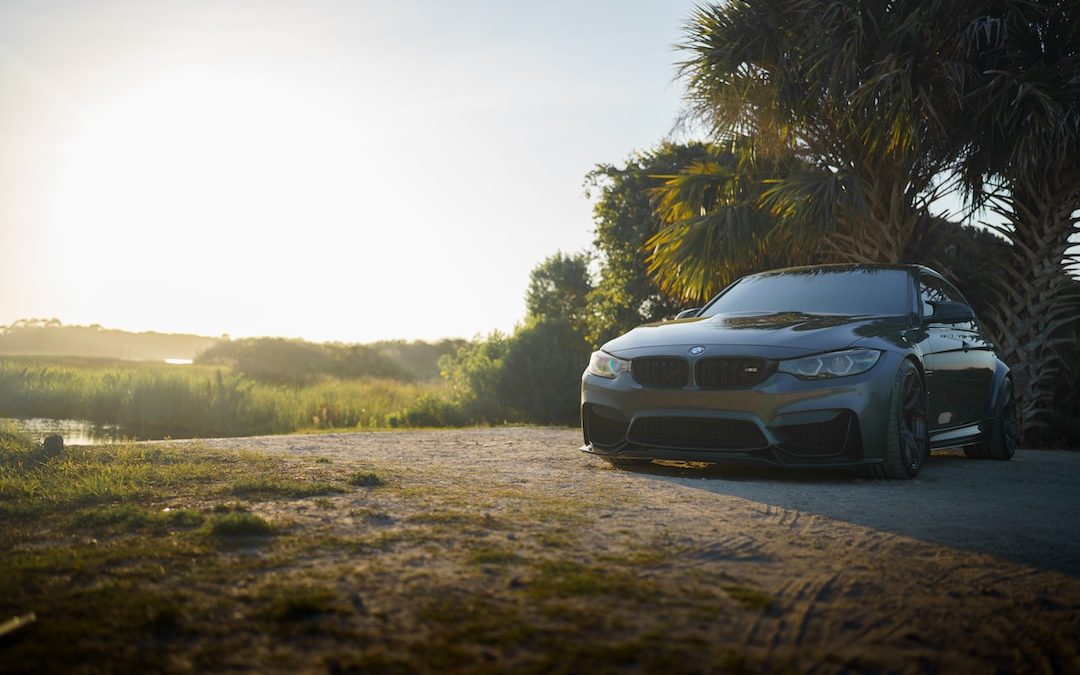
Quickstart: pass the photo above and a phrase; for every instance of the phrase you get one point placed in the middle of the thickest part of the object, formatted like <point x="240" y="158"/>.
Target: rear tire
<point x="1004" y="433"/>
<point x="907" y="441"/>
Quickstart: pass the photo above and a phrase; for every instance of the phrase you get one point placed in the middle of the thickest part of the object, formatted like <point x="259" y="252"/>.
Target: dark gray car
<point x="829" y="365"/>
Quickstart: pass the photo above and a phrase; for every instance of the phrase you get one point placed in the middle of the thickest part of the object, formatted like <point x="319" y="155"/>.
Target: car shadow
<point x="1023" y="510"/>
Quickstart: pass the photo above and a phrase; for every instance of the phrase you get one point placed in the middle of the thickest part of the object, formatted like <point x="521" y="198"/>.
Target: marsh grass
<point x="163" y="401"/>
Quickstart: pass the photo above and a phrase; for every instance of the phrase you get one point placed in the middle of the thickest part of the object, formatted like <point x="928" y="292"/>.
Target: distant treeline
<point x="48" y="337"/>
<point x="298" y="363"/>
<point x="272" y="360"/>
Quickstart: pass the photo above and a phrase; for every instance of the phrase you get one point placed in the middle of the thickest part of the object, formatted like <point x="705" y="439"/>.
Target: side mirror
<point x="687" y="313"/>
<point x="950" y="312"/>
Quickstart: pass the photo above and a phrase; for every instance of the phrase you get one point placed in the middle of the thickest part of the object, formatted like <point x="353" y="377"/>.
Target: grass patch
<point x="297" y="603"/>
<point x="365" y="479"/>
<point x="461" y="620"/>
<point x="557" y="578"/>
<point x="230" y="507"/>
<point x="278" y="487"/>
<point x="135" y="517"/>
<point x="557" y="538"/>
<point x="750" y="598"/>
<point x="78" y="630"/>
<point x="239" y="524"/>
<point x="85" y="476"/>
<point x="491" y="555"/>
<point x="642" y="557"/>
<point x="455" y="517"/>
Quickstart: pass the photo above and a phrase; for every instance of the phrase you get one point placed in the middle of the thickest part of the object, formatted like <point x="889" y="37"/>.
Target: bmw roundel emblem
<point x="694" y="351"/>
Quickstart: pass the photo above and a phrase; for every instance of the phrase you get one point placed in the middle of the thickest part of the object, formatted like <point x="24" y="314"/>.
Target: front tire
<point x="907" y="441"/>
<point x="1004" y="434"/>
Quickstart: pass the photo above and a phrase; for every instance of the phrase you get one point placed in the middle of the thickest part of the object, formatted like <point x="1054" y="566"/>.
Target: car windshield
<point x="844" y="291"/>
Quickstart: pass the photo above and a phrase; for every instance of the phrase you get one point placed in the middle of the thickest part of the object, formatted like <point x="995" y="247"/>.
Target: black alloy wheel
<point x="907" y="442"/>
<point x="913" y="435"/>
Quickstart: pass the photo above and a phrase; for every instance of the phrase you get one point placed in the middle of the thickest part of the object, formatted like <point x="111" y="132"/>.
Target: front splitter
<point x="767" y="456"/>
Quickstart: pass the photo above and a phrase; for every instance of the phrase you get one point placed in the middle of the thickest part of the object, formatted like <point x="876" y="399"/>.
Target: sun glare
<point x="204" y="174"/>
<point x="196" y="151"/>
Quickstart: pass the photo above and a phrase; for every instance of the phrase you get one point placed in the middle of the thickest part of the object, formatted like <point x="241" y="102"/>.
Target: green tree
<point x="559" y="287"/>
<point x="625" y="295"/>
<point x="541" y="372"/>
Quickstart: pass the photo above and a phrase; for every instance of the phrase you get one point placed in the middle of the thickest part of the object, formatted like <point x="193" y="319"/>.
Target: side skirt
<point x="963" y="435"/>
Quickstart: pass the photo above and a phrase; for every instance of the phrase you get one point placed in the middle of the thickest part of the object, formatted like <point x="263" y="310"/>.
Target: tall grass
<point x="157" y="401"/>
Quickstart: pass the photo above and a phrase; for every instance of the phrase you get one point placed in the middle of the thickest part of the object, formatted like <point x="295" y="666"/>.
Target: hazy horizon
<point x="332" y="171"/>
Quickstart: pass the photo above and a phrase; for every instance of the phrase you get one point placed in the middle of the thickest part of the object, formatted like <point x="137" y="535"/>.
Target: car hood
<point x="774" y="335"/>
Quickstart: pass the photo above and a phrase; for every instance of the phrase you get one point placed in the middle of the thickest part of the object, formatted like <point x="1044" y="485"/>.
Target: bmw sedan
<point x="866" y="366"/>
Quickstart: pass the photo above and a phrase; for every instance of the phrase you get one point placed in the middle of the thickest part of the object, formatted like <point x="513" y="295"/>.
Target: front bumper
<point x="781" y="421"/>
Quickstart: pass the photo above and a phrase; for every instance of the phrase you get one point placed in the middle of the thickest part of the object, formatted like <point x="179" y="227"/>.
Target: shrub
<point x="430" y="410"/>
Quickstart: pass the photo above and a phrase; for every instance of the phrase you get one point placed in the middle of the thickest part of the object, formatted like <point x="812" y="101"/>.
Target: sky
<point x="331" y="170"/>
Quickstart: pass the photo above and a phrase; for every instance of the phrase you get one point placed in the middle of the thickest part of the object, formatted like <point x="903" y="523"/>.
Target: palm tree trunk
<point x="1037" y="298"/>
<point x="880" y="232"/>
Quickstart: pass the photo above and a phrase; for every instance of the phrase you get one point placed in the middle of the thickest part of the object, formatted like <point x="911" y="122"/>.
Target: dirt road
<point x="974" y="566"/>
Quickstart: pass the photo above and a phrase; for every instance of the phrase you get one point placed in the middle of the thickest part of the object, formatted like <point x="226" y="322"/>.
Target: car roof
<point x="852" y="266"/>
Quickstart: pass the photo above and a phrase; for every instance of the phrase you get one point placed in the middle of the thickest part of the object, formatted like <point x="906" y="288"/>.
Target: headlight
<point x="603" y="364"/>
<point x="834" y="364"/>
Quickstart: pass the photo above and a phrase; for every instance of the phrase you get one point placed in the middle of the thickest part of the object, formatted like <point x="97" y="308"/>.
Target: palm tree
<point x="713" y="225"/>
<point x="1021" y="159"/>
<point x="853" y="91"/>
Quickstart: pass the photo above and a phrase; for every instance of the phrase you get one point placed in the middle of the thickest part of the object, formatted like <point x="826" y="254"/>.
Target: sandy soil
<point x="974" y="566"/>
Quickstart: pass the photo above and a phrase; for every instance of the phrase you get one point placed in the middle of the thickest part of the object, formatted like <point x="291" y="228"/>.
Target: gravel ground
<point x="973" y="566"/>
